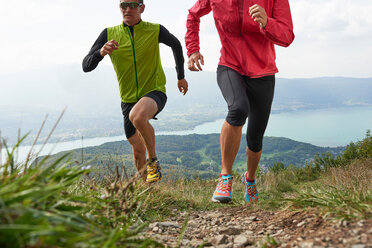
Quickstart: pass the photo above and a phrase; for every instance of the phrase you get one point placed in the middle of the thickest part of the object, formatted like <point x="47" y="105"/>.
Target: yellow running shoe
<point x="153" y="171"/>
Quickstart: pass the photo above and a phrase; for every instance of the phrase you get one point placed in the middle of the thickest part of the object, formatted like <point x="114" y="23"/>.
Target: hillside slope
<point x="199" y="155"/>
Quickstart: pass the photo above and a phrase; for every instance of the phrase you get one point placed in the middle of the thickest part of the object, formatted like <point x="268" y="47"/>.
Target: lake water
<point x="327" y="127"/>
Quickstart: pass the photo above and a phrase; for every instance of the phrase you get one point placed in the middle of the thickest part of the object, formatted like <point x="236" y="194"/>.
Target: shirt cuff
<point x="97" y="55"/>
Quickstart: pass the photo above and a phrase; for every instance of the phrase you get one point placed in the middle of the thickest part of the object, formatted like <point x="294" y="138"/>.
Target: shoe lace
<point x="225" y="184"/>
<point x="251" y="190"/>
<point x="151" y="167"/>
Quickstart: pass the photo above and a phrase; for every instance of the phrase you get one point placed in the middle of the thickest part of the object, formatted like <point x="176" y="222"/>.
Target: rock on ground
<point x="244" y="227"/>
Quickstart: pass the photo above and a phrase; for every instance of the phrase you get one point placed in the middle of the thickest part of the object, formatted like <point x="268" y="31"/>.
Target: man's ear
<point x="142" y="8"/>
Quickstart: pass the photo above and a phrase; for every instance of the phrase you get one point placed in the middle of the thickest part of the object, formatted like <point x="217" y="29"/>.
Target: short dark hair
<point x="140" y="1"/>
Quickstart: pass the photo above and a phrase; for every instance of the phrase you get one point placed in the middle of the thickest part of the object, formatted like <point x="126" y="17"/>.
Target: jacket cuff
<point x="268" y="26"/>
<point x="190" y="52"/>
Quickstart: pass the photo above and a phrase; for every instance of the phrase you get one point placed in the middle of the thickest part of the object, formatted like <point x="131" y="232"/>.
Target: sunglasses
<point x="132" y="5"/>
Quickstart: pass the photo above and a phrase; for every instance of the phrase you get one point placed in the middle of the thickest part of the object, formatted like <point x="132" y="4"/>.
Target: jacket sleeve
<point x="170" y="40"/>
<point x="200" y="8"/>
<point x="93" y="58"/>
<point x="279" y="28"/>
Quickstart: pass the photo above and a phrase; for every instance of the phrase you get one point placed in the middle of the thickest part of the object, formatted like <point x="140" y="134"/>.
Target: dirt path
<point x="242" y="227"/>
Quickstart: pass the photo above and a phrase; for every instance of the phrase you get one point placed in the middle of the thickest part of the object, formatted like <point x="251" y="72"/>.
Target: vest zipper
<point x="134" y="57"/>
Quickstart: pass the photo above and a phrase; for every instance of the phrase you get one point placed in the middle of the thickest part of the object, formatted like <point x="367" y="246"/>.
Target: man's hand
<point x="259" y="15"/>
<point x="183" y="86"/>
<point x="109" y="47"/>
<point x="194" y="59"/>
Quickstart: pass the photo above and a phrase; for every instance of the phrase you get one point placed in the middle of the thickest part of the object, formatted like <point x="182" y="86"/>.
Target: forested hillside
<point x="199" y="155"/>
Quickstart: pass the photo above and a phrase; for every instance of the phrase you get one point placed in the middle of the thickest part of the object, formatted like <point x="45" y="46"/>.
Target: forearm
<point x="200" y="8"/>
<point x="192" y="34"/>
<point x="91" y="61"/>
<point x="279" y="28"/>
<point x="94" y="56"/>
<point x="179" y="60"/>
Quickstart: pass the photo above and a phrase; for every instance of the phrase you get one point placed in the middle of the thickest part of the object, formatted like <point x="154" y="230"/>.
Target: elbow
<point x="289" y="40"/>
<point x="85" y="66"/>
<point x="85" y="69"/>
<point x="288" y="44"/>
<point x="179" y="45"/>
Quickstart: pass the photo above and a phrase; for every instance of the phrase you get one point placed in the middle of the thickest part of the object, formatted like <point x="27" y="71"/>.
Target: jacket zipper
<point x="134" y="58"/>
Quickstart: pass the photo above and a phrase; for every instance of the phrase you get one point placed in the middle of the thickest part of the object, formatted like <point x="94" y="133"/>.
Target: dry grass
<point x="341" y="193"/>
<point x="356" y="176"/>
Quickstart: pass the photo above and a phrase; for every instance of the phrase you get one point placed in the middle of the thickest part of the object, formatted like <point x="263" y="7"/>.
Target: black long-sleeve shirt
<point x="93" y="58"/>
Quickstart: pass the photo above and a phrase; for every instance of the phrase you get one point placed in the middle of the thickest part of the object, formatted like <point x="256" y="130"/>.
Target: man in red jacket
<point x="248" y="30"/>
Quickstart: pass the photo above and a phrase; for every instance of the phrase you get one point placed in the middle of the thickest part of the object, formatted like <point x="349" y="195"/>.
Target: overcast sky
<point x="333" y="37"/>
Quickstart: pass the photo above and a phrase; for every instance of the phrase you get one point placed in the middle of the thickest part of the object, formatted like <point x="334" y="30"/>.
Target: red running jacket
<point x="246" y="47"/>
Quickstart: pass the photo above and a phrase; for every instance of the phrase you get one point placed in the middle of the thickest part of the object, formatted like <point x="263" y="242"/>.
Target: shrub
<point x="359" y="150"/>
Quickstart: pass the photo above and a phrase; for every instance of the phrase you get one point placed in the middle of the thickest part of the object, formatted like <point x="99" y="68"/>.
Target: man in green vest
<point x="133" y="47"/>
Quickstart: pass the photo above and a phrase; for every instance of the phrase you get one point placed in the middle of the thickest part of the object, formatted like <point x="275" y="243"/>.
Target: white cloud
<point x="332" y="18"/>
<point x="333" y="37"/>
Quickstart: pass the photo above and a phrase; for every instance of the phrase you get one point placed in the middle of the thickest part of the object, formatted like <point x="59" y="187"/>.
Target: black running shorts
<point x="247" y="97"/>
<point x="159" y="97"/>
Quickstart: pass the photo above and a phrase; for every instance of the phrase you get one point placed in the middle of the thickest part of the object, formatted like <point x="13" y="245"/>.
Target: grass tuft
<point x="345" y="193"/>
<point x="56" y="204"/>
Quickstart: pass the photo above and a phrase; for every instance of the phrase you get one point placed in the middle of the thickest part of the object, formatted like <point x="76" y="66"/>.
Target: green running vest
<point x="137" y="61"/>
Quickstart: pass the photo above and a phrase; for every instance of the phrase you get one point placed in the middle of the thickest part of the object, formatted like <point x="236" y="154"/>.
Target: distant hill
<point x="94" y="105"/>
<point x="199" y="155"/>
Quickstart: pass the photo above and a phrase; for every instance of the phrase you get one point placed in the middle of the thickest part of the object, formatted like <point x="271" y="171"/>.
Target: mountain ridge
<point x="93" y="102"/>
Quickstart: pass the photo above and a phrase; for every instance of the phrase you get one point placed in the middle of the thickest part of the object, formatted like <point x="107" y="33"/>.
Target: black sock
<point x="153" y="159"/>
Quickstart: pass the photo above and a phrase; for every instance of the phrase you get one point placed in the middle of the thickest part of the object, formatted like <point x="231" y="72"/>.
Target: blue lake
<point x="327" y="127"/>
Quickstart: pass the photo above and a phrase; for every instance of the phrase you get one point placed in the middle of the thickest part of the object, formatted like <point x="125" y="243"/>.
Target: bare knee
<point x="138" y="119"/>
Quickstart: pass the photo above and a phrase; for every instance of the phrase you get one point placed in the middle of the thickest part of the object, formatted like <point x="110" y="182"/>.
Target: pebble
<point x="277" y="233"/>
<point x="358" y="246"/>
<point x="364" y="238"/>
<point x="361" y="223"/>
<point x="169" y="224"/>
<point x="219" y="240"/>
<point x="241" y="241"/>
<point x="306" y="245"/>
<point x="270" y="227"/>
<point x="253" y="218"/>
<point x="301" y="224"/>
<point x="230" y="231"/>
